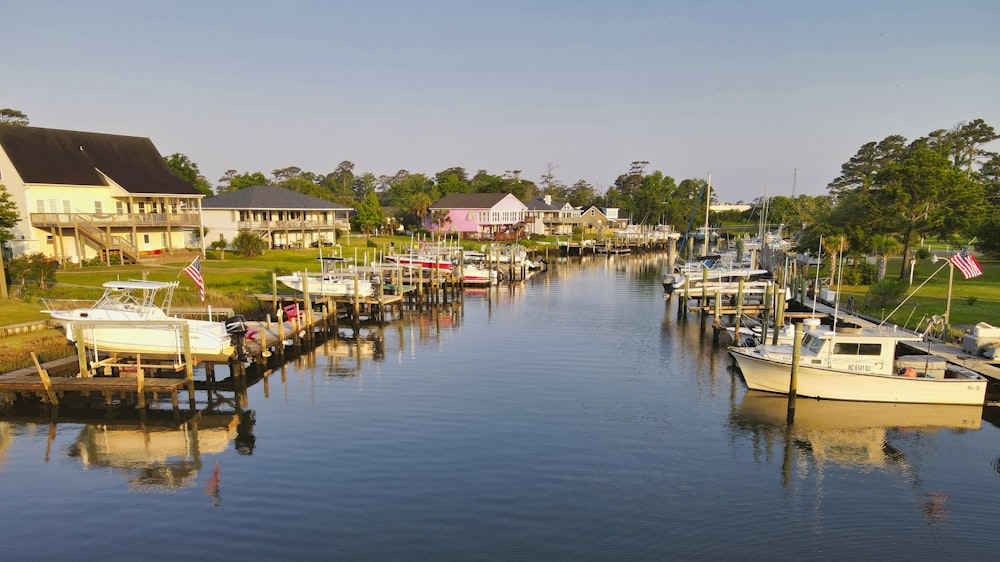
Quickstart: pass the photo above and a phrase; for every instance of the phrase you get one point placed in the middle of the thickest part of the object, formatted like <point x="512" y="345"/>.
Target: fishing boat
<point x="862" y="364"/>
<point x="330" y="284"/>
<point x="125" y="320"/>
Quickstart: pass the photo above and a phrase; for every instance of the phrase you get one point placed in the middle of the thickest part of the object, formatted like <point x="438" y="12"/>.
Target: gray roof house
<point x="285" y="218"/>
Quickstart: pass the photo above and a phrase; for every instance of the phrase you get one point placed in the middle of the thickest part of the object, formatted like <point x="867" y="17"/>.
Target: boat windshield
<point x="812" y="343"/>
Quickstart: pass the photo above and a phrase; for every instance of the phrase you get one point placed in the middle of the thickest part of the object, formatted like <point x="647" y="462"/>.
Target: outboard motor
<point x="236" y="327"/>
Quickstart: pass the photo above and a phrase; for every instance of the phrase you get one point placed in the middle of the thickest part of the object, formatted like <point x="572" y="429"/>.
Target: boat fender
<point x="908" y="372"/>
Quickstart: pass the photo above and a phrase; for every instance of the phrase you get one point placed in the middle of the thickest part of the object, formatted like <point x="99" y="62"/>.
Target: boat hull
<point x="334" y="287"/>
<point x="121" y="336"/>
<point x="761" y="373"/>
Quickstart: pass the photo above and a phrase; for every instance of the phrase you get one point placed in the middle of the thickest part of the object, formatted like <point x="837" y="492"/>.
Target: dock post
<point x="81" y="350"/>
<point x="307" y="308"/>
<point x="793" y="378"/>
<point x="768" y="297"/>
<point x="739" y="310"/>
<point x="188" y="360"/>
<point x="140" y="379"/>
<point x="46" y="381"/>
<point x="704" y="290"/>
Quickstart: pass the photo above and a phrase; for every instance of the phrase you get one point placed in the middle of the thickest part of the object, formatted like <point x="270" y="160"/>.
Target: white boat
<point x="124" y="320"/>
<point x="714" y="269"/>
<point x="330" y="284"/>
<point x="478" y="275"/>
<point x="860" y="364"/>
<point x="427" y="255"/>
<point x="752" y="333"/>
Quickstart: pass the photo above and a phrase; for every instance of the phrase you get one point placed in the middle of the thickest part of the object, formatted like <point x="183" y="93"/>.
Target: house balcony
<point x="291" y="225"/>
<point x="100" y="220"/>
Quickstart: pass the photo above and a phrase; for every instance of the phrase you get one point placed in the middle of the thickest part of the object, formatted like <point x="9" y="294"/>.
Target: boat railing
<point x="59" y="305"/>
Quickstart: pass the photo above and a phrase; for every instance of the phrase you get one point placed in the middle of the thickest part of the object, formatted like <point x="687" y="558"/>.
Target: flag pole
<point x="947" y="306"/>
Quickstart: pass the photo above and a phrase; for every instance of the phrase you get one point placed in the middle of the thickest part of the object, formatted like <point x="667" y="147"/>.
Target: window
<point x="857" y="349"/>
<point x="142" y="207"/>
<point x="120" y="207"/>
<point x="98" y="208"/>
<point x="67" y="207"/>
<point x="145" y="237"/>
<point x="40" y="206"/>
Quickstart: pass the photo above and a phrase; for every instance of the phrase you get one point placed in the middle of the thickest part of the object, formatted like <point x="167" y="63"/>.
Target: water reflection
<point x="155" y="458"/>
<point x="856" y="436"/>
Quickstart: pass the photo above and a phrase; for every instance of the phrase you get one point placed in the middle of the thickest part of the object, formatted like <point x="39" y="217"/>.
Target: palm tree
<point x="834" y="246"/>
<point x="883" y="246"/>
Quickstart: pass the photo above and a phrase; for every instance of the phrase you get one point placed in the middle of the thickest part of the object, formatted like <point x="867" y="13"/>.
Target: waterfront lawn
<point x="972" y="300"/>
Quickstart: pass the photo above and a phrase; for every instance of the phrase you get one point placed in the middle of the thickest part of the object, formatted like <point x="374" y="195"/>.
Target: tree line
<point x="891" y="194"/>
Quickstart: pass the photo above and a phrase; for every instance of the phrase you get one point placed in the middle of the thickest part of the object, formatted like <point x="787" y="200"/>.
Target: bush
<point x="33" y="267"/>
<point x="868" y="273"/>
<point x="887" y="293"/>
<point x="923" y="253"/>
<point x="249" y="244"/>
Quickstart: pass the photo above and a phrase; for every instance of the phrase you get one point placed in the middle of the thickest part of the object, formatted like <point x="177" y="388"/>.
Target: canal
<point x="575" y="418"/>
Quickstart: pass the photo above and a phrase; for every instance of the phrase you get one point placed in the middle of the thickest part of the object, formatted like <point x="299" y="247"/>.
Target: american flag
<point x="194" y="272"/>
<point x="966" y="264"/>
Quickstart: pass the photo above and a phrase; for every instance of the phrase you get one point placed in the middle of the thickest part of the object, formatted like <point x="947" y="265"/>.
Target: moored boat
<point x="330" y="284"/>
<point x="131" y="317"/>
<point x="861" y="364"/>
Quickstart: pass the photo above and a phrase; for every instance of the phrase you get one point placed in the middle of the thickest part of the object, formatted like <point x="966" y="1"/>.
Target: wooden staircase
<point x="107" y="242"/>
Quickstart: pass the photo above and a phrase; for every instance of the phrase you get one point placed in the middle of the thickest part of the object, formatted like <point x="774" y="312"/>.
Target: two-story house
<point x="285" y="218"/>
<point x="600" y="219"/>
<point x="551" y="218"/>
<point x="478" y="215"/>
<point x="83" y="195"/>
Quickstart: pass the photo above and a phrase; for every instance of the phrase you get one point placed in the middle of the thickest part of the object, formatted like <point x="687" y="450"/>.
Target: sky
<point x="765" y="97"/>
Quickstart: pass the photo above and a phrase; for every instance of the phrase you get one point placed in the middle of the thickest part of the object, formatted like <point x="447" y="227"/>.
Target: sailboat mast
<point x="708" y="205"/>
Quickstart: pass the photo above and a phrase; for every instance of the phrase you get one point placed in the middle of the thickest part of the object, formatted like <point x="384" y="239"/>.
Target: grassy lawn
<point x="972" y="300"/>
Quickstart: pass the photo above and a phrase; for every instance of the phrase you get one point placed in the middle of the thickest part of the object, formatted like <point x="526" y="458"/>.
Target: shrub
<point x="249" y="244"/>
<point x="923" y="253"/>
<point x="887" y="293"/>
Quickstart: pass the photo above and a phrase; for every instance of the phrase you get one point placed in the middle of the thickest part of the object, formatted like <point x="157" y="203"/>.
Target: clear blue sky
<point x="746" y="91"/>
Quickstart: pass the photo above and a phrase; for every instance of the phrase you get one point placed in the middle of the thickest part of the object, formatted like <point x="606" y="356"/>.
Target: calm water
<point x="576" y="419"/>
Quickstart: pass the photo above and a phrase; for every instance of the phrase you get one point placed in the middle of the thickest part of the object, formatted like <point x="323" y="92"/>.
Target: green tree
<point x="9" y="217"/>
<point x="420" y="207"/>
<point x="921" y="193"/>
<point x="184" y="168"/>
<point x="13" y="117"/>
<point x="240" y="181"/>
<point x="249" y="244"/>
<point x="369" y="216"/>
<point x="988" y="229"/>
<point x="452" y="180"/>
<point x="220" y="245"/>
<point x="581" y="194"/>
<point x="883" y="246"/>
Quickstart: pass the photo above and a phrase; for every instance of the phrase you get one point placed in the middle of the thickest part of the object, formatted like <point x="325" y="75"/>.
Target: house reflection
<point x="155" y="457"/>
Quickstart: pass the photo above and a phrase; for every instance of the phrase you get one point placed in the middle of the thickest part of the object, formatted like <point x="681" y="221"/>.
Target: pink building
<point x="479" y="215"/>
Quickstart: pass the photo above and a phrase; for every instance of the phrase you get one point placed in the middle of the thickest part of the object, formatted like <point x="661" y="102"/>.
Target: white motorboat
<point x="473" y="274"/>
<point x="331" y="284"/>
<point x="860" y="364"/>
<point x="713" y="269"/>
<point x="131" y="317"/>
